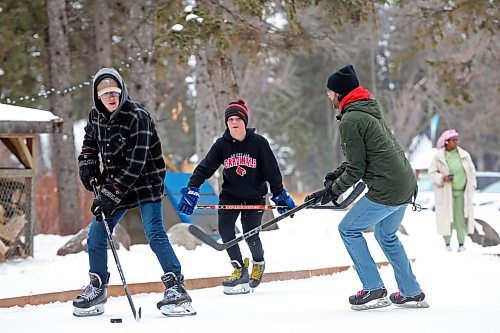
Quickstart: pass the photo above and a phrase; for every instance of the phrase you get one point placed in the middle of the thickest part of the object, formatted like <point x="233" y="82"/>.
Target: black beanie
<point x="343" y="81"/>
<point x="238" y="109"/>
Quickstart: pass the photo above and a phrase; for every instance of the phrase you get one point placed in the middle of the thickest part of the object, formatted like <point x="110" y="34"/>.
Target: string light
<point x="68" y="90"/>
<point x="45" y="93"/>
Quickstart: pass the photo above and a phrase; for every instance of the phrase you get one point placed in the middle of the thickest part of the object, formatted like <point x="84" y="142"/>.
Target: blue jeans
<point x="386" y="221"/>
<point x="152" y="219"/>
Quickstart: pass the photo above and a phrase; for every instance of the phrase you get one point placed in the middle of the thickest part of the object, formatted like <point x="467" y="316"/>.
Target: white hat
<point x="107" y="85"/>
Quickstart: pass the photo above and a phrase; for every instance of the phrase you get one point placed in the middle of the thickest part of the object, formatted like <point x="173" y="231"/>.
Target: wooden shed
<point x="19" y="129"/>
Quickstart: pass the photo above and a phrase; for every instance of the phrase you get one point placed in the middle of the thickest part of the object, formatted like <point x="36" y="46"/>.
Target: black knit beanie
<point x="238" y="109"/>
<point x="343" y="81"/>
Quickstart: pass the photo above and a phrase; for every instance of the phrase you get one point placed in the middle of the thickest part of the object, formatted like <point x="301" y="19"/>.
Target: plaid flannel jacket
<point x="130" y="151"/>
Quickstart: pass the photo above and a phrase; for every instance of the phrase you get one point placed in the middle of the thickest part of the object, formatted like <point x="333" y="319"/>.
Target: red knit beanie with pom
<point x="238" y="109"/>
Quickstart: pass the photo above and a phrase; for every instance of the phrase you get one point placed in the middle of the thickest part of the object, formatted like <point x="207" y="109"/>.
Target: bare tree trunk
<point x="496" y="165"/>
<point x="63" y="154"/>
<point x="405" y="115"/>
<point x="207" y="113"/>
<point x="102" y="34"/>
<point x="478" y="152"/>
<point x="221" y="71"/>
<point x="140" y="48"/>
<point x="216" y="87"/>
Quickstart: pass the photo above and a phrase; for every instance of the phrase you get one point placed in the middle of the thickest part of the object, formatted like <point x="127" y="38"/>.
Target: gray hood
<point x="101" y="74"/>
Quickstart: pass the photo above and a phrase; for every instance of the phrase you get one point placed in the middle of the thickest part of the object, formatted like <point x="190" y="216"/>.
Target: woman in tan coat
<point x="454" y="178"/>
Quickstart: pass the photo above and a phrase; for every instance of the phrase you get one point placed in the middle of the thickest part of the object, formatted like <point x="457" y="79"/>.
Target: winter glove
<point x="106" y="201"/>
<point x="330" y="178"/>
<point x="315" y="197"/>
<point x="190" y="196"/>
<point x="329" y="196"/>
<point x="328" y="184"/>
<point x="88" y="165"/>
<point x="324" y="196"/>
<point x="283" y="199"/>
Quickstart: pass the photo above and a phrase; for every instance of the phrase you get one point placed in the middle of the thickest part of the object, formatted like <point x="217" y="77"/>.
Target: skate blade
<point x="375" y="304"/>
<point x="237" y="290"/>
<point x="252" y="289"/>
<point x="255" y="286"/>
<point x="413" y="305"/>
<point x="179" y="310"/>
<point x="95" y="310"/>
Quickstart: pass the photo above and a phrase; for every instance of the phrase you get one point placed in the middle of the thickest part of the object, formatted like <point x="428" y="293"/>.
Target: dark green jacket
<point x="373" y="155"/>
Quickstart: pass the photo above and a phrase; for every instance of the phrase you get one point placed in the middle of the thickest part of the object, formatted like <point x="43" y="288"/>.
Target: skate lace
<point x="398" y="295"/>
<point x="257" y="272"/>
<point x="360" y="293"/>
<point x="172" y="292"/>
<point x="236" y="274"/>
<point x="90" y="292"/>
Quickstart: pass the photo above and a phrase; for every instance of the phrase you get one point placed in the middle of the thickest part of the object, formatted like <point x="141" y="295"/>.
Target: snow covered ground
<point x="462" y="289"/>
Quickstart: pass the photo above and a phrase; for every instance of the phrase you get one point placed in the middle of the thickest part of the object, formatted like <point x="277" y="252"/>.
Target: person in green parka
<point x="373" y="155"/>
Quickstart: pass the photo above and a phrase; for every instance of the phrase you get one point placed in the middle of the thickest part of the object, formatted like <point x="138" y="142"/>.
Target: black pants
<point x="250" y="219"/>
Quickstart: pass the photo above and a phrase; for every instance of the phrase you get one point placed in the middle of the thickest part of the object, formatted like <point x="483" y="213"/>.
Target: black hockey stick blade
<point x="205" y="238"/>
<point x="356" y="192"/>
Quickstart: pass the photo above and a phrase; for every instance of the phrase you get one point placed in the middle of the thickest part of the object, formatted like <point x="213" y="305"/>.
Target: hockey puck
<point x="115" y="320"/>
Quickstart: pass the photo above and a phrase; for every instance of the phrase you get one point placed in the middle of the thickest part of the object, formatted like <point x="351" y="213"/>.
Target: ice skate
<point x="461" y="248"/>
<point x="416" y="301"/>
<point x="257" y="273"/>
<point x="237" y="283"/>
<point x="91" y="301"/>
<point x="369" y="299"/>
<point x="176" y="301"/>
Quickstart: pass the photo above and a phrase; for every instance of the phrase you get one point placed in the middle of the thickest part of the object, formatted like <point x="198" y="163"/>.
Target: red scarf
<point x="353" y="96"/>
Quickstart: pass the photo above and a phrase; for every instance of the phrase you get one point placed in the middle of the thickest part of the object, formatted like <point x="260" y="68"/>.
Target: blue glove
<point x="190" y="196"/>
<point x="283" y="199"/>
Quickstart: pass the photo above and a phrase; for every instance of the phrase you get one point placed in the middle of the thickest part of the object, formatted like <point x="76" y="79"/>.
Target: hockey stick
<point x="137" y="315"/>
<point x="253" y="207"/>
<point x="239" y="207"/>
<point x="201" y="235"/>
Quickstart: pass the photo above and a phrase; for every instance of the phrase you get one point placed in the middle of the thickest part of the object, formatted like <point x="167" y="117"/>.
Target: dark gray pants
<point x="250" y="219"/>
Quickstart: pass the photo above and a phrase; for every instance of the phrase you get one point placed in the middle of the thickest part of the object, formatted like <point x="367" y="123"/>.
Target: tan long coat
<point x="443" y="192"/>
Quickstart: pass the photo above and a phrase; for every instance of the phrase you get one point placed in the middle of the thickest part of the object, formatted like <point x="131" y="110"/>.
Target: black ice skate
<point x="176" y="301"/>
<point x="91" y="302"/>
<point x="369" y="299"/>
<point x="237" y="283"/>
<point x="257" y="273"/>
<point x="416" y="301"/>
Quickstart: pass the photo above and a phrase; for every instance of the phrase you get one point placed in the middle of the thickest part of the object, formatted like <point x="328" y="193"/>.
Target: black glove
<point x="315" y="196"/>
<point x="330" y="178"/>
<point x="324" y="196"/>
<point x="329" y="196"/>
<point x="106" y="201"/>
<point x="328" y="183"/>
<point x="88" y="165"/>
